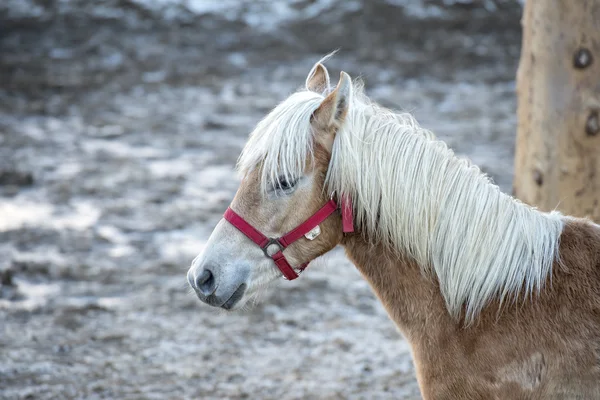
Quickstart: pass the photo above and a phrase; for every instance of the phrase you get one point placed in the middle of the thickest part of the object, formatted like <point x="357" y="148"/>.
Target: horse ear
<point x="330" y="115"/>
<point x="333" y="109"/>
<point x="318" y="79"/>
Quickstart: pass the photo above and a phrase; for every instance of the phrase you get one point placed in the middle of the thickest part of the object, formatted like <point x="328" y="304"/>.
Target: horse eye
<point x="285" y="184"/>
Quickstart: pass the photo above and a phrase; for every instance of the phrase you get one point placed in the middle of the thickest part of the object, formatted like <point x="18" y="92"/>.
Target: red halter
<point x="295" y="234"/>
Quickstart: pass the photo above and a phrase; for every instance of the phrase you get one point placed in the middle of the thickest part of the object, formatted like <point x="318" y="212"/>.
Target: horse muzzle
<point x="209" y="290"/>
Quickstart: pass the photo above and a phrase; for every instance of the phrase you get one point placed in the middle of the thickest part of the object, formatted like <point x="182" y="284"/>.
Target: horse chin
<point x="235" y="301"/>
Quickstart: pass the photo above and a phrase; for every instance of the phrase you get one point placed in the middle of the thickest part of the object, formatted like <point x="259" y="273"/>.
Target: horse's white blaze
<point x="410" y="190"/>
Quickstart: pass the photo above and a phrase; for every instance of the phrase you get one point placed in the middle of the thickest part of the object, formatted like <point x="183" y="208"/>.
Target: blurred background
<point x="120" y="124"/>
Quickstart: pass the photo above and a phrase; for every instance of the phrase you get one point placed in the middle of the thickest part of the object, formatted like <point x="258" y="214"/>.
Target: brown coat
<point x="545" y="347"/>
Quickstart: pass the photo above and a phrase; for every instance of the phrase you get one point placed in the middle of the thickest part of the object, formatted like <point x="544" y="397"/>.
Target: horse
<point x="497" y="299"/>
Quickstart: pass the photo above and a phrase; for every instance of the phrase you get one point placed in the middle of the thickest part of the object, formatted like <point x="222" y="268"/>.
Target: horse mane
<point x="410" y="191"/>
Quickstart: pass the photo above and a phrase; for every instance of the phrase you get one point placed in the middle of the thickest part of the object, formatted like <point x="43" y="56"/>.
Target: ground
<point x="120" y="123"/>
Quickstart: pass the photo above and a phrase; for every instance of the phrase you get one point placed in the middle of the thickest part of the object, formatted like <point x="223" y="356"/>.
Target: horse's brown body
<point x="544" y="347"/>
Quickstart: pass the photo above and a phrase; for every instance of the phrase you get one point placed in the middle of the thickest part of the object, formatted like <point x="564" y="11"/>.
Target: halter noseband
<point x="304" y="229"/>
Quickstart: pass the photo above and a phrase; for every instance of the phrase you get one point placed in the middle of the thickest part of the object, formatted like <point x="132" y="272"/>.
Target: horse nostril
<point x="205" y="283"/>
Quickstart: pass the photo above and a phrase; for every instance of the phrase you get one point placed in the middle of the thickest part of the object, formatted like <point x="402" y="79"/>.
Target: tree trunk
<point x="557" y="161"/>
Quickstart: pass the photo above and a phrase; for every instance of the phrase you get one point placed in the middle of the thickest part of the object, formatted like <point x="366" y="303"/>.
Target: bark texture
<point x="558" y="89"/>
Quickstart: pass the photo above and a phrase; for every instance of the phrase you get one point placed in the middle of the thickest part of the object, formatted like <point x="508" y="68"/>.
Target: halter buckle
<point x="272" y="241"/>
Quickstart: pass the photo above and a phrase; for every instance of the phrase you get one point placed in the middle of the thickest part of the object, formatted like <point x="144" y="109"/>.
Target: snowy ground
<point x="120" y="122"/>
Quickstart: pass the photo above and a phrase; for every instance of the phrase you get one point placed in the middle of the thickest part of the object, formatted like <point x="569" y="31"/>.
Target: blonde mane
<point x="411" y="191"/>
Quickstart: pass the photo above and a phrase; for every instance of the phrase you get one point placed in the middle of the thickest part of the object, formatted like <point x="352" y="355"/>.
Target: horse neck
<point x="412" y="299"/>
<point x="411" y="190"/>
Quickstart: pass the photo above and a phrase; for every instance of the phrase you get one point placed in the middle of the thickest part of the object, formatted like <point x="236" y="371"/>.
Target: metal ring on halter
<point x="272" y="241"/>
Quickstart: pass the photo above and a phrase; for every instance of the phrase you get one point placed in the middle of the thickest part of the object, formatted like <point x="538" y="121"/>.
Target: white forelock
<point x="411" y="191"/>
<point x="282" y="141"/>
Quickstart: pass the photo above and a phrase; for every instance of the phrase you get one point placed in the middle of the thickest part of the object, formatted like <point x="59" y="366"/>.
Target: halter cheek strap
<point x="274" y="247"/>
